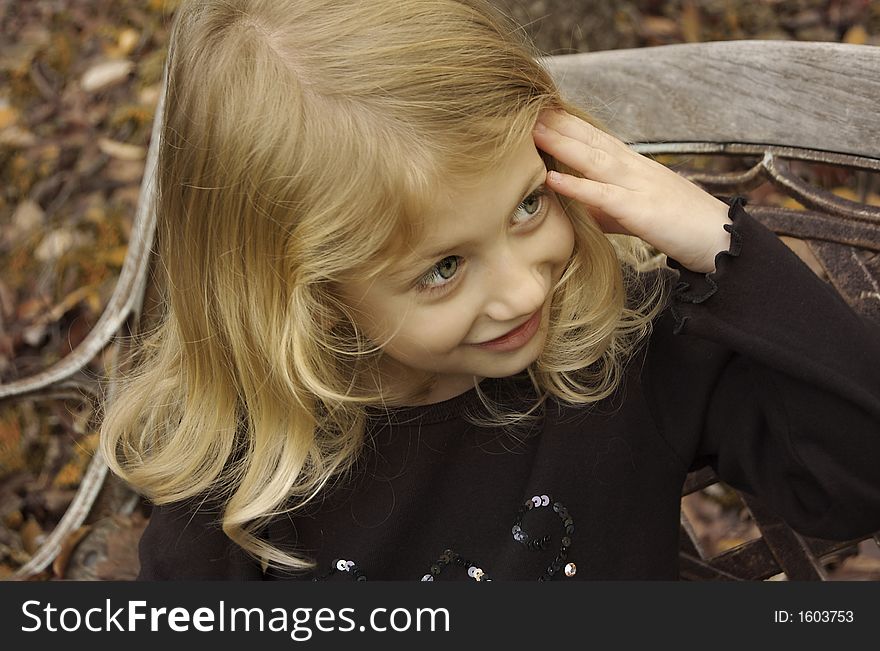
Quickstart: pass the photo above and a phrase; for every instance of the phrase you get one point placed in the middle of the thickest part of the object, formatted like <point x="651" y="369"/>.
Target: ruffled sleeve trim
<point x="695" y="287"/>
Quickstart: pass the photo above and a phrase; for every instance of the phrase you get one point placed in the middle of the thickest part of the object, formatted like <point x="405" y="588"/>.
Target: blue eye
<point x="441" y="274"/>
<point x="531" y="206"/>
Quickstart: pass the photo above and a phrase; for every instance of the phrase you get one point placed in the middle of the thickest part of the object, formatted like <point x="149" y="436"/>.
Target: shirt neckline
<point x="445" y="410"/>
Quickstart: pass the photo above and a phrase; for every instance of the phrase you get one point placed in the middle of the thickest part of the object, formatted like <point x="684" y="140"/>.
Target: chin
<point x="514" y="367"/>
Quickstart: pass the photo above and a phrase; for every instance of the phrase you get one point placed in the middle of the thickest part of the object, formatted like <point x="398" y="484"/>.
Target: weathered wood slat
<point x="798" y="94"/>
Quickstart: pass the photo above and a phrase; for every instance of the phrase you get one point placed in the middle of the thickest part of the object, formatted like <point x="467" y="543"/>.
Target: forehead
<point x="434" y="185"/>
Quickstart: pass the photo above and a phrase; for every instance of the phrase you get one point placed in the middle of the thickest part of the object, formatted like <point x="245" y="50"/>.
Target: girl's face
<point x="491" y="254"/>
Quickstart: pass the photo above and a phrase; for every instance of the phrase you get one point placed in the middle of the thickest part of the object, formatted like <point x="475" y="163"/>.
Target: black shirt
<point x="759" y="369"/>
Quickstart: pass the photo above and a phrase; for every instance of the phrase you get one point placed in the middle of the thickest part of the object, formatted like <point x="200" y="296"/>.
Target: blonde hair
<point x="300" y="140"/>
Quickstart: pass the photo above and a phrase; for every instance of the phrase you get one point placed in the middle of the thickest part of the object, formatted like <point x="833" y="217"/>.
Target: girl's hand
<point x="631" y="194"/>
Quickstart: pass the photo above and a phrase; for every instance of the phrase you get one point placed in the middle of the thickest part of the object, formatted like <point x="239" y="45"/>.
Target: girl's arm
<point x="763" y="371"/>
<point x="758" y="366"/>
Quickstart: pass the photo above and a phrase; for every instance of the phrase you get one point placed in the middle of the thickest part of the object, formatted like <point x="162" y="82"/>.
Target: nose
<point x="516" y="289"/>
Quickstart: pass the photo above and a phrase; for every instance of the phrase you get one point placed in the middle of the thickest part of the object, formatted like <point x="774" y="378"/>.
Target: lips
<point x="517" y="337"/>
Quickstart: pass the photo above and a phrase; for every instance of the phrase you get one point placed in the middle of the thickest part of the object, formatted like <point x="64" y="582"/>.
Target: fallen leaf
<point x="59" y="565"/>
<point x="659" y="26"/>
<point x="8" y="115"/>
<point x="7" y="346"/>
<point x="128" y="39"/>
<point x="69" y="475"/>
<point x="163" y="6"/>
<point x="33" y="335"/>
<point x="125" y="171"/>
<point x="27" y="218"/>
<point x="115" y="257"/>
<point x="873" y="199"/>
<point x="11" y="457"/>
<point x="17" y="138"/>
<point x="29" y="308"/>
<point x="121" y="150"/>
<point x="13" y="520"/>
<point x="74" y="298"/>
<point x="10" y="432"/>
<point x="691" y="27"/>
<point x="149" y="95"/>
<point x="791" y="203"/>
<point x="856" y="35"/>
<point x="105" y="74"/>
<point x="7" y="301"/>
<point x="57" y="243"/>
<point x="724" y="544"/>
<point x="32" y="535"/>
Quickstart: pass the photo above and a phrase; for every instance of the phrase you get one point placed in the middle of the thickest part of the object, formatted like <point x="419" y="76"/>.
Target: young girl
<point x="412" y="331"/>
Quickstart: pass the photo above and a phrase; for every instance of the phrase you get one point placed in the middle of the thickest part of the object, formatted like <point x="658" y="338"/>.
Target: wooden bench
<point x="756" y="111"/>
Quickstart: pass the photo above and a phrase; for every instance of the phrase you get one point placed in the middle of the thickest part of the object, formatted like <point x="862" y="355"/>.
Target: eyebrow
<point x="535" y="179"/>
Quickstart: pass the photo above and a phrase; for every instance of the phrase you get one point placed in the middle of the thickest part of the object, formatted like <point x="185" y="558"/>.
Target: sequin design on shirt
<point x="448" y="557"/>
<point x="537" y="544"/>
<point x="343" y="565"/>
<point x="558" y="566"/>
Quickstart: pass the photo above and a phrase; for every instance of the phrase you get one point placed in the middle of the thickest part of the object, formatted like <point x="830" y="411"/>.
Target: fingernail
<point x="540" y="128"/>
<point x="554" y="176"/>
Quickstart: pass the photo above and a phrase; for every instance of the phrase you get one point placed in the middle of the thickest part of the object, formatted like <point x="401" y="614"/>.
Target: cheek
<point x="377" y="317"/>
<point x="560" y="235"/>
<point x="410" y="330"/>
<point x="432" y="331"/>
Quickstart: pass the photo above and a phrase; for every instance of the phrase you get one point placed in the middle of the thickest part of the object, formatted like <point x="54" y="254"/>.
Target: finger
<point x="596" y="196"/>
<point x="592" y="162"/>
<point x="574" y="127"/>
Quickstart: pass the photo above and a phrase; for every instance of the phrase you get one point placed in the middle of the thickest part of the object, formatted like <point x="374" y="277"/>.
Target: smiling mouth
<point x="516" y="337"/>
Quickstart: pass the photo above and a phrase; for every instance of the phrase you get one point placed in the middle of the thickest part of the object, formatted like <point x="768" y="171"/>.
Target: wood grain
<point x="800" y="94"/>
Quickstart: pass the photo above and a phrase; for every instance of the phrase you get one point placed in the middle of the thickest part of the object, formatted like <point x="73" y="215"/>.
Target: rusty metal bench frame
<point x="773" y="102"/>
